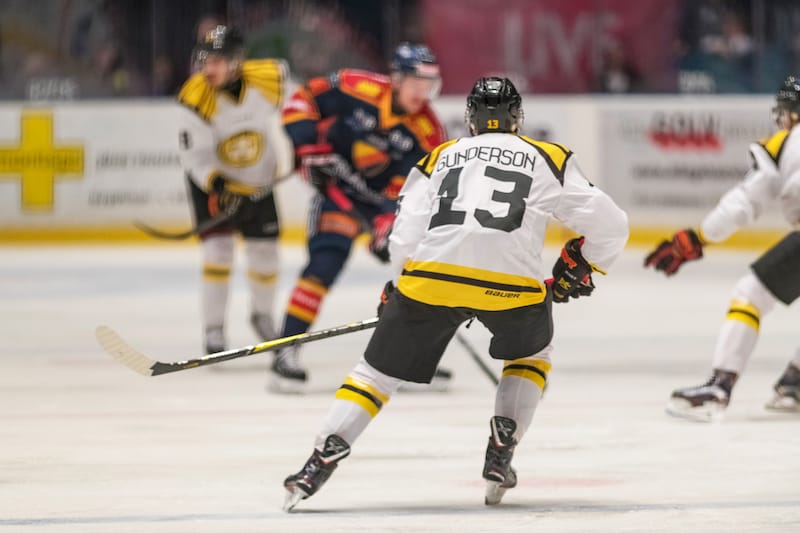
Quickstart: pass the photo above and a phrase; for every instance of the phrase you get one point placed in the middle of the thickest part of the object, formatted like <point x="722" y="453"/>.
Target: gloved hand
<point x="379" y="242"/>
<point x="387" y="292"/>
<point x="221" y="200"/>
<point x="572" y="273"/>
<point x="317" y="164"/>
<point x="668" y="257"/>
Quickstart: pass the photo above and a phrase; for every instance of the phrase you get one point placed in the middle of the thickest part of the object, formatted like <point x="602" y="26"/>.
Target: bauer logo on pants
<point x="36" y="160"/>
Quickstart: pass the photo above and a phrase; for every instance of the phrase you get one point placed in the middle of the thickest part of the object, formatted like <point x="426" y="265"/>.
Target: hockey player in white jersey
<point x="774" y="277"/>
<point x="467" y="243"/>
<point x="233" y="146"/>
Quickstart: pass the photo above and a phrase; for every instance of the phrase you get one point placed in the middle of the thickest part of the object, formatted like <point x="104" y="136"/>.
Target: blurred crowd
<point x="70" y="49"/>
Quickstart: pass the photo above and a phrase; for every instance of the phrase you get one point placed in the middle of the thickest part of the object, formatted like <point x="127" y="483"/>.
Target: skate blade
<point x="281" y="385"/>
<point x="680" y="408"/>
<point x="494" y="493"/>
<point x="783" y="404"/>
<point x="292" y="498"/>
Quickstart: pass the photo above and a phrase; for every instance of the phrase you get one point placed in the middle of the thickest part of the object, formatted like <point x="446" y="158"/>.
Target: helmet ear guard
<point x="494" y="106"/>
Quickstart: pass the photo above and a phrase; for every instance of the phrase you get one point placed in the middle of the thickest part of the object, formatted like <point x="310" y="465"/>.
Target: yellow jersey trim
<point x="555" y="155"/>
<point x="428" y="163"/>
<point x="774" y="145"/>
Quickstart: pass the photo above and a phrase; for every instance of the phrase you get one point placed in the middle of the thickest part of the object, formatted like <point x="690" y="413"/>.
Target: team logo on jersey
<point x="368" y="159"/>
<point x="241" y="150"/>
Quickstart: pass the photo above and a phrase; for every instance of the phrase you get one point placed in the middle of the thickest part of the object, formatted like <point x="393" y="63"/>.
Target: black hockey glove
<point x="224" y="202"/>
<point x="572" y="274"/>
<point x="318" y="165"/>
<point x="669" y="255"/>
<point x="379" y="240"/>
<point x="387" y="292"/>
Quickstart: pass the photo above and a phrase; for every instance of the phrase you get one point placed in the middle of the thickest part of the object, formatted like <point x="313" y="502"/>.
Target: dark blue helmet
<point x="414" y="60"/>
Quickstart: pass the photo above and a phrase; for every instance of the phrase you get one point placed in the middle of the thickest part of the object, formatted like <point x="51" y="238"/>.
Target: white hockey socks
<point x="520" y="389"/>
<point x="217" y="263"/>
<point x="262" y="273"/>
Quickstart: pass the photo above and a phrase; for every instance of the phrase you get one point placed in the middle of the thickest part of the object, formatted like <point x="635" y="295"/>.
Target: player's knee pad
<point x="217" y="257"/>
<point x="326" y="262"/>
<point x="262" y="259"/>
<point x="368" y="387"/>
<point x="534" y="368"/>
<point x="750" y="300"/>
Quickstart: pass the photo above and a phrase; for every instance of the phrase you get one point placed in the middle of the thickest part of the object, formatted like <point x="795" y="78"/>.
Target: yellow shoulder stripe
<point x="556" y="155"/>
<point x="774" y="145"/>
<point x="428" y="163"/>
<point x="267" y="76"/>
<point x="197" y="94"/>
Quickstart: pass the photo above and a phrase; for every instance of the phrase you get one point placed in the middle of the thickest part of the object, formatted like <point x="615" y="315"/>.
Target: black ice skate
<point x="704" y="403"/>
<point x="787" y="391"/>
<point x="288" y="375"/>
<point x="497" y="469"/>
<point x="315" y="472"/>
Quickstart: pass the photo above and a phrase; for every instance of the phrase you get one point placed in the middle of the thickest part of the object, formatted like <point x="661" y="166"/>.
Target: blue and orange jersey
<point x="352" y="111"/>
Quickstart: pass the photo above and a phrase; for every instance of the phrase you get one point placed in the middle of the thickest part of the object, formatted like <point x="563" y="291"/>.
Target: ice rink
<point x="86" y="445"/>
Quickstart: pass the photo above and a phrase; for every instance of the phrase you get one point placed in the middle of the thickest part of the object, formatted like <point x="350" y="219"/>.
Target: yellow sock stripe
<point x="534" y="370"/>
<point x="303" y="314"/>
<point x="216" y="272"/>
<point x="745" y="313"/>
<point x="366" y="396"/>
<point x="264" y="279"/>
<point x="312" y="287"/>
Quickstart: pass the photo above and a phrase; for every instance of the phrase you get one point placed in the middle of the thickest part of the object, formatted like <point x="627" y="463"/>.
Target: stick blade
<point x="120" y="350"/>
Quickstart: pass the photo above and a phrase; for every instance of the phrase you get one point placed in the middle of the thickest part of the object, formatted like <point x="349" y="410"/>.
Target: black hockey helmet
<point x="222" y="40"/>
<point x="788" y="98"/>
<point x="494" y="106"/>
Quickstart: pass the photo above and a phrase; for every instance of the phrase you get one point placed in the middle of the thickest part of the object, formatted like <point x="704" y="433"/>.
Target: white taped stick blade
<point x="117" y="348"/>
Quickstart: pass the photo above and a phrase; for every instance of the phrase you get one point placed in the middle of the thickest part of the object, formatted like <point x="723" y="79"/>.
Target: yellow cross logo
<point x="36" y="161"/>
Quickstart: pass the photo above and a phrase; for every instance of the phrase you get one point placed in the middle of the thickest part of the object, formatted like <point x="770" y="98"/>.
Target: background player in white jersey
<point x="774" y="277"/>
<point x="466" y="244"/>
<point x="233" y="146"/>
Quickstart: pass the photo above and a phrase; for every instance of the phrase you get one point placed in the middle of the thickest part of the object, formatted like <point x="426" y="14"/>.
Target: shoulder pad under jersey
<point x="554" y="154"/>
<point x="367" y="86"/>
<point x="199" y="96"/>
<point x="428" y="163"/>
<point x="268" y="76"/>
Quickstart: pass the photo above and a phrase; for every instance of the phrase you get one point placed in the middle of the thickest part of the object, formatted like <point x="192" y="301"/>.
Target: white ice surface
<point x="86" y="445"/>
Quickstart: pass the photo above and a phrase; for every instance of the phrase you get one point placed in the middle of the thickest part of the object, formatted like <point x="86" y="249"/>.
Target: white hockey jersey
<point x="472" y="218"/>
<point x="241" y="140"/>
<point x="774" y="177"/>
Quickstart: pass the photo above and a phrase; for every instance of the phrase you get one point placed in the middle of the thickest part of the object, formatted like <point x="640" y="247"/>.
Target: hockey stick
<point x="209" y="224"/>
<point x="117" y="348"/>
<point x="473" y="353"/>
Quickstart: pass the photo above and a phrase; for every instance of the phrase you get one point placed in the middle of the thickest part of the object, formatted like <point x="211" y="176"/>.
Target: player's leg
<point x="217" y="256"/>
<point x="406" y="346"/>
<point x="775" y="277"/>
<point x="260" y="232"/>
<point x="522" y="338"/>
<point x="331" y="235"/>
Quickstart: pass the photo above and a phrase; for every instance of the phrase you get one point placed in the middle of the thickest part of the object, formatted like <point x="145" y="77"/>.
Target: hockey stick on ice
<point x="209" y="224"/>
<point x="117" y="348"/>
<point x="473" y="353"/>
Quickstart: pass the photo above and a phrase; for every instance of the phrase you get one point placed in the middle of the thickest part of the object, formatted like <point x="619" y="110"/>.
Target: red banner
<point x="555" y="47"/>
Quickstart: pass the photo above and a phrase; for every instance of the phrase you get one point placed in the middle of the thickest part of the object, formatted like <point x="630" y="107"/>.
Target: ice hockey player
<point x="233" y="146"/>
<point x="358" y="134"/>
<point x="773" y="277"/>
<point x="467" y="243"/>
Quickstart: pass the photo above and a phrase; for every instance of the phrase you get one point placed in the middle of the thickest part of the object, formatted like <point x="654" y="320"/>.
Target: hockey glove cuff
<point x="572" y="273"/>
<point x="387" y="292"/>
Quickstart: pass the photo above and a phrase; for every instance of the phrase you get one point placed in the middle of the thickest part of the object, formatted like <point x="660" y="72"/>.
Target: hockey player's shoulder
<point x="774" y="144"/>
<point x="556" y="155"/>
<point x="268" y="76"/>
<point x="426" y="128"/>
<point x="363" y="85"/>
<point x="199" y="96"/>
<point x="427" y="164"/>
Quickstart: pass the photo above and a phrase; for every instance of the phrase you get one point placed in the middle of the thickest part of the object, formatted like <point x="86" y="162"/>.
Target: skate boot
<point x="704" y="403"/>
<point x="440" y="383"/>
<point x="215" y="339"/>
<point x="497" y="469"/>
<point x="315" y="472"/>
<point x="787" y="391"/>
<point x="263" y="326"/>
<point x="287" y="374"/>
